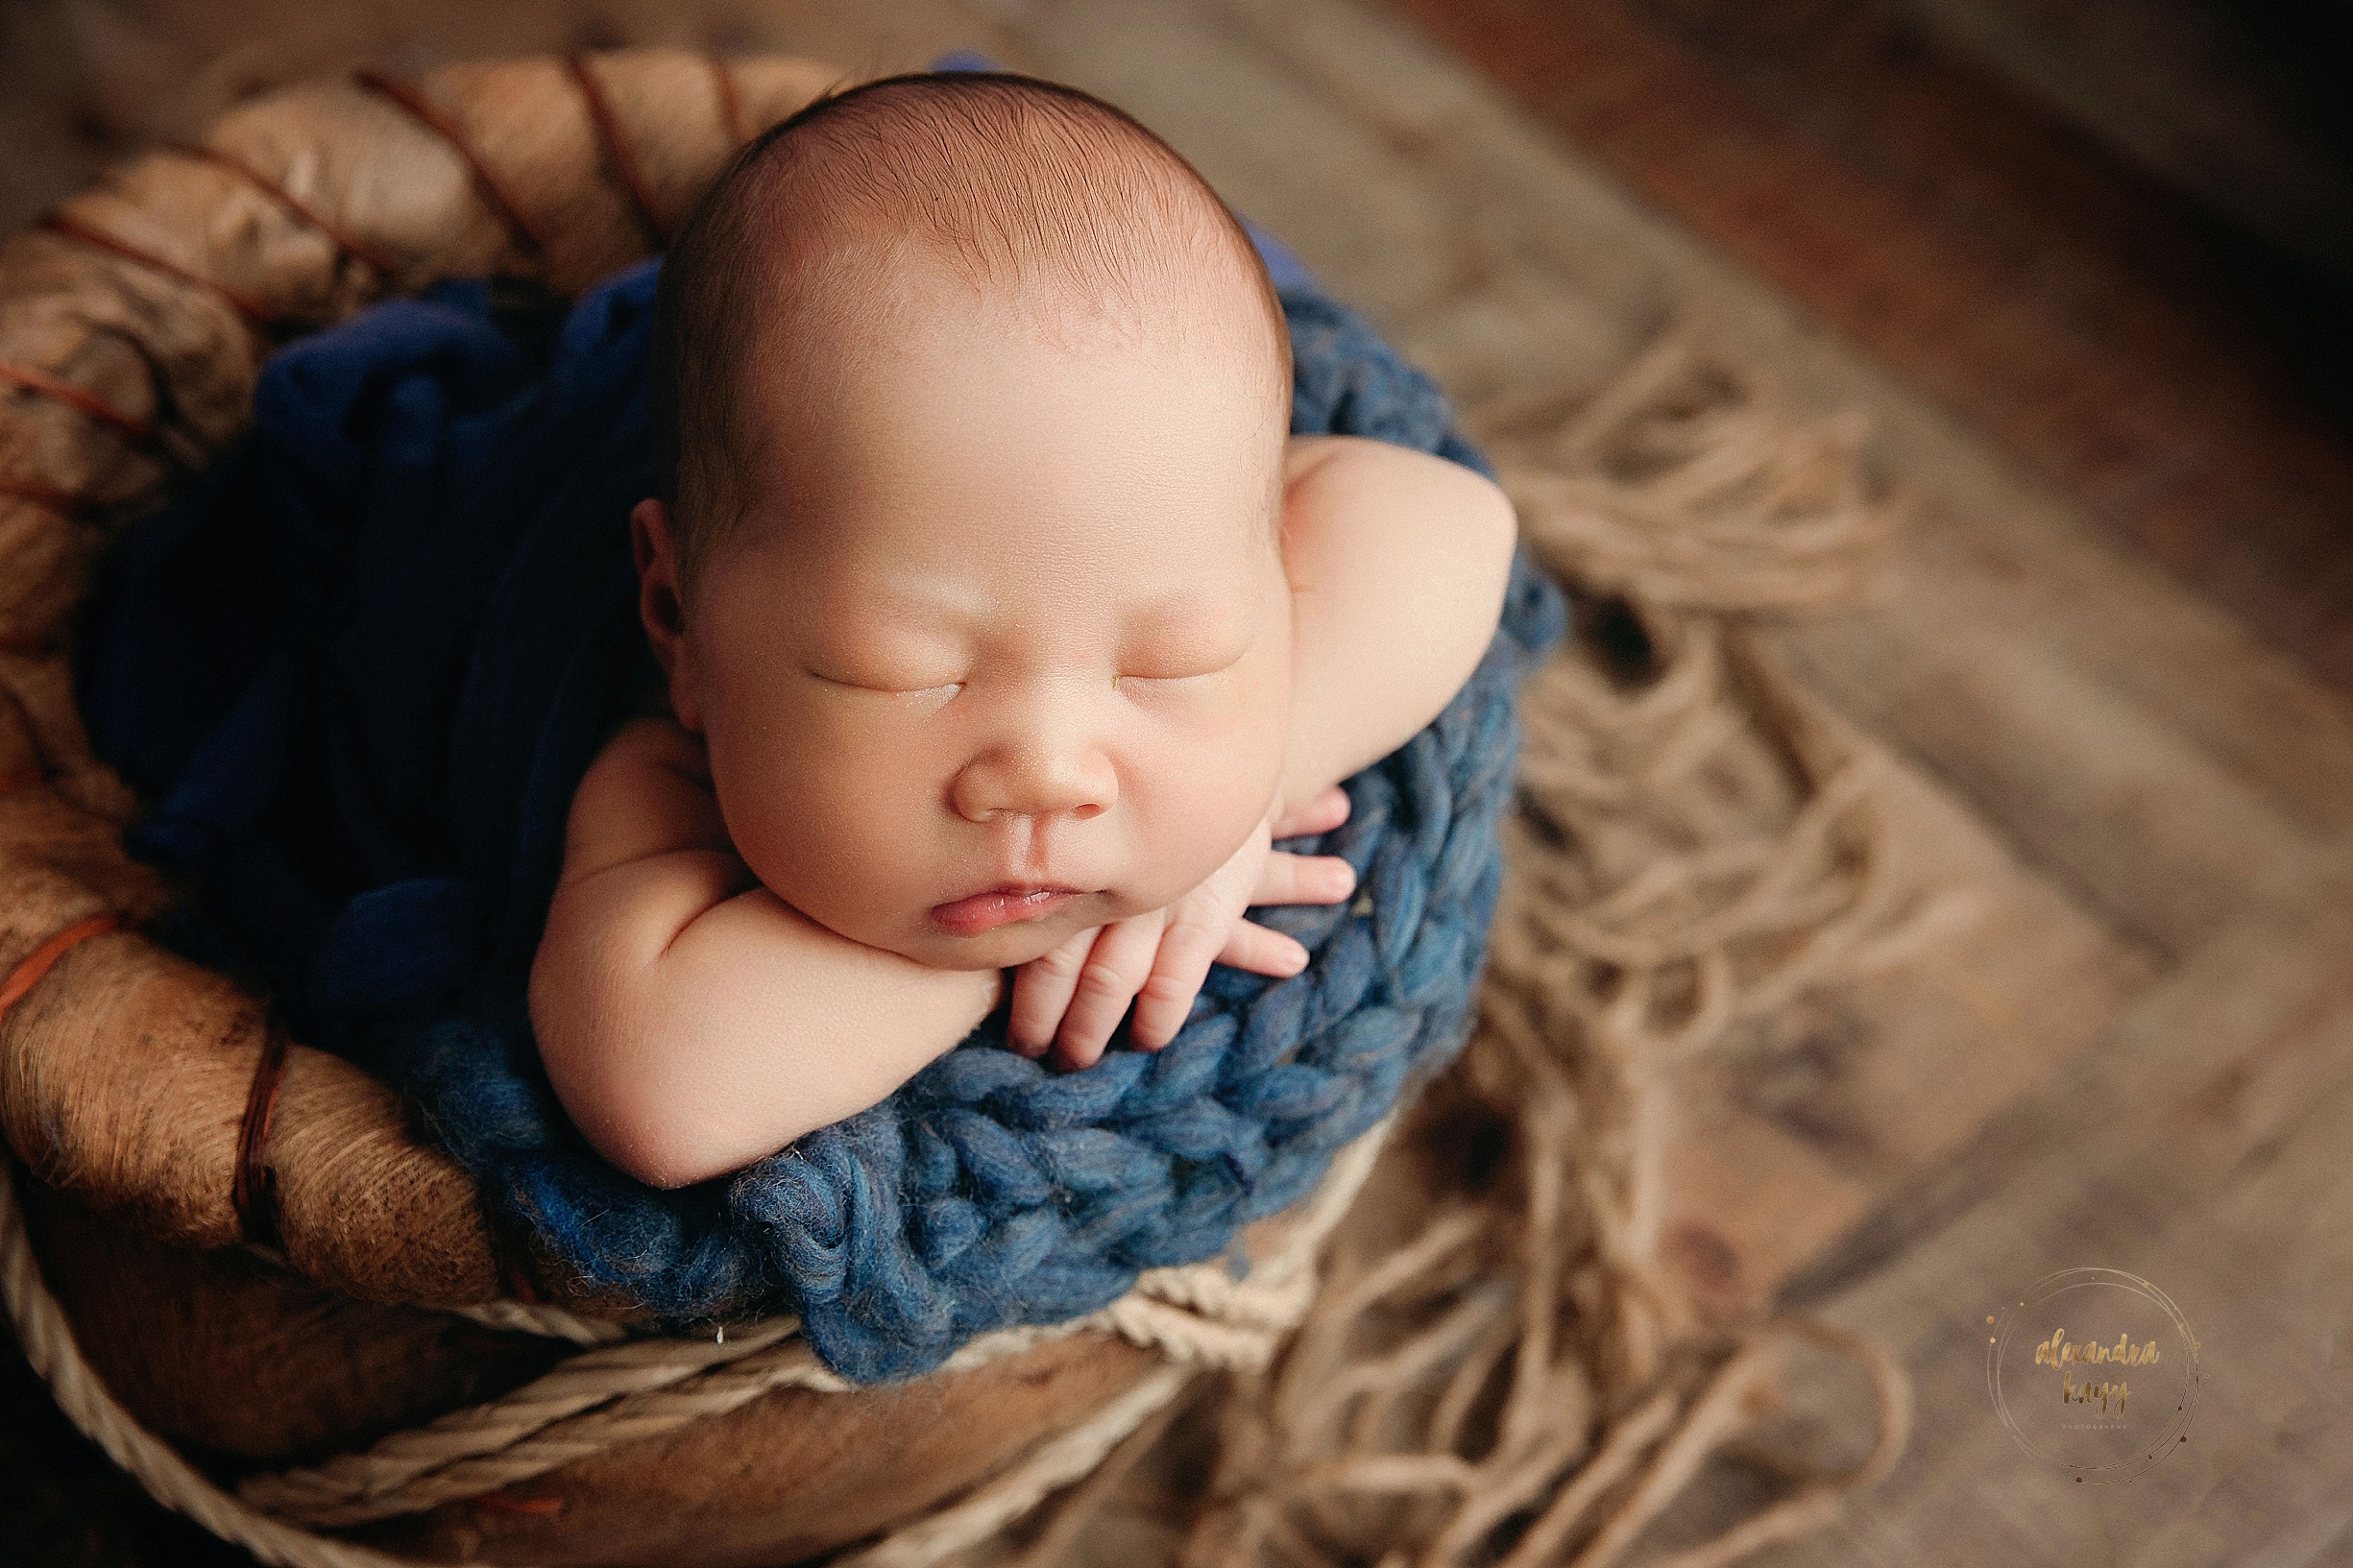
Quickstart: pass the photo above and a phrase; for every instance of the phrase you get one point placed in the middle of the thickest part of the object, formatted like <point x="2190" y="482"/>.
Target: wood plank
<point x="2220" y="107"/>
<point x="1960" y="667"/>
<point x="2114" y="395"/>
<point x="1803" y="1121"/>
<point x="2198" y="1147"/>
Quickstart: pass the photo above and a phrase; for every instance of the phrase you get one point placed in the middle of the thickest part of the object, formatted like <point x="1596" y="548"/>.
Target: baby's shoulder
<point x="650" y="741"/>
<point x="647" y="792"/>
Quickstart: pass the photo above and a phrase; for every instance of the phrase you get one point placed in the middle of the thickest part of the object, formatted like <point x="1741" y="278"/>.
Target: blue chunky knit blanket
<point x="359" y="670"/>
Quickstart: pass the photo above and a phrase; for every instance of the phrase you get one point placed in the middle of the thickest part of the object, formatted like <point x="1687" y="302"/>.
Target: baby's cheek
<point x="843" y="810"/>
<point x="1219" y="793"/>
<point x="794" y="798"/>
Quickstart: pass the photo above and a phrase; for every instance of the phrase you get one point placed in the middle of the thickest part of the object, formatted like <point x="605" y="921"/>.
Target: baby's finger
<point x="1304" y="879"/>
<point x="1042" y="990"/>
<point x="1186" y="951"/>
<point x="1106" y="984"/>
<point x="1262" y="952"/>
<point x="1320" y="815"/>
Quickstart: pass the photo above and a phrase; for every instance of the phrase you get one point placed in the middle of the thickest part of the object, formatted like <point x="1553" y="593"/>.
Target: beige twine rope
<point x="47" y="1337"/>
<point x="1196" y="1317"/>
<point x="1686" y="484"/>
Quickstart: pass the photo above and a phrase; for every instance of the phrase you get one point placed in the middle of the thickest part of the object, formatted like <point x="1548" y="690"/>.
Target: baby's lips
<point x="985" y="911"/>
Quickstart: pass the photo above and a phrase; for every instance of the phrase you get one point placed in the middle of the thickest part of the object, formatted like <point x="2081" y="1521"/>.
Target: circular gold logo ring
<point x="2098" y="1407"/>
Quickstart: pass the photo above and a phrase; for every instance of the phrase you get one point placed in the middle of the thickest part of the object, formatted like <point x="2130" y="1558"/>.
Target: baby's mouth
<point x="985" y="911"/>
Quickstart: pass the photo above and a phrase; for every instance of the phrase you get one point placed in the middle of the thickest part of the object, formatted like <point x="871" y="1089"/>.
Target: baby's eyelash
<point x="951" y="688"/>
<point x="1159" y="680"/>
<point x="887" y="690"/>
<point x="1190" y="676"/>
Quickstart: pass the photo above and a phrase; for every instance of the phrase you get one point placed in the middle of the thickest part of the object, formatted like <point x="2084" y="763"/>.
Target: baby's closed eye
<point x="889" y="685"/>
<point x="1186" y="659"/>
<point x="1171" y="675"/>
<point x="903" y="687"/>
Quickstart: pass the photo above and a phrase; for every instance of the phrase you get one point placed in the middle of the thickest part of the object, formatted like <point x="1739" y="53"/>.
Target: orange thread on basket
<point x="257" y="314"/>
<point x="42" y="959"/>
<point x="616" y="153"/>
<point x="341" y="238"/>
<point x="54" y="499"/>
<point x="511" y="1255"/>
<point x="254" y="1191"/>
<point x="422" y="111"/>
<point x="499" y="1502"/>
<point x="77" y="398"/>
<point x="731" y="103"/>
<point x="38" y="773"/>
<point x="23" y="643"/>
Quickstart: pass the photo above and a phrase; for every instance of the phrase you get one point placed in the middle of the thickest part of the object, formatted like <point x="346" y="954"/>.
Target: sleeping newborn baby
<point x="1004" y="626"/>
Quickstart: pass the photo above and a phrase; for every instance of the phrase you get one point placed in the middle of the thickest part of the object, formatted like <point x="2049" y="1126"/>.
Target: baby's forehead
<point x="871" y="328"/>
<point x="1114" y="465"/>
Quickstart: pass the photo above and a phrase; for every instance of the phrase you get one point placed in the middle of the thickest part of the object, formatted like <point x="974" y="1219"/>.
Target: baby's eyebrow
<point x="880" y="598"/>
<point x="1185" y="607"/>
<point x="1174" y="611"/>
<point x="1190" y="622"/>
<point x="1189" y="619"/>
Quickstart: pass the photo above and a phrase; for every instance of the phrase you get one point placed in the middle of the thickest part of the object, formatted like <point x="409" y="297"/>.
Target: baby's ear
<point x="660" y="605"/>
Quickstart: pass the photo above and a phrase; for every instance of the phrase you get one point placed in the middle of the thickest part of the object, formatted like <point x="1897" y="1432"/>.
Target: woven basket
<point x="164" y="1138"/>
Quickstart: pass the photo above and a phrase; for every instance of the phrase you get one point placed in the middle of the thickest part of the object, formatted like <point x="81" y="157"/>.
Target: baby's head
<point x="971" y="405"/>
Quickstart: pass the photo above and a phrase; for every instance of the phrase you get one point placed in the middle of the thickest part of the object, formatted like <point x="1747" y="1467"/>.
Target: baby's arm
<point x="1397" y="562"/>
<point x="690" y="1020"/>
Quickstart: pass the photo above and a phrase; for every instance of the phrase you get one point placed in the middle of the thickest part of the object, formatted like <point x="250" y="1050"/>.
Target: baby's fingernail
<point x="1294" y="960"/>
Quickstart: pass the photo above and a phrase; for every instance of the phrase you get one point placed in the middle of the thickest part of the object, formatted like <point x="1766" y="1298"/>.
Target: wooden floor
<point x="2164" y="372"/>
<point x="2142" y="1055"/>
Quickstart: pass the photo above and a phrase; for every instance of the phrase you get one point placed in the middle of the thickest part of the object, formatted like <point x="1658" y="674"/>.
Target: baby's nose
<point x="1040" y="780"/>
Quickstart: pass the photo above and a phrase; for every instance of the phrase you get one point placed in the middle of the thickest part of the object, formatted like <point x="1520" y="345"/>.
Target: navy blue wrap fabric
<point x="361" y="667"/>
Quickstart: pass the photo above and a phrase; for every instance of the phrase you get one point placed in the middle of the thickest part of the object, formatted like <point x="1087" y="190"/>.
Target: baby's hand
<point x="1073" y="997"/>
